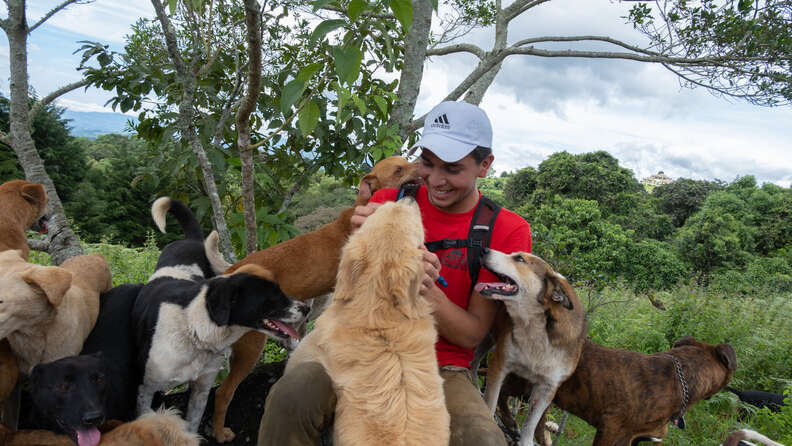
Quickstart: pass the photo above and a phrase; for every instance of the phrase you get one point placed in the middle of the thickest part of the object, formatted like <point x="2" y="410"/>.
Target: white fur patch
<point x="181" y="272"/>
<point x="159" y="210"/>
<point x="211" y="248"/>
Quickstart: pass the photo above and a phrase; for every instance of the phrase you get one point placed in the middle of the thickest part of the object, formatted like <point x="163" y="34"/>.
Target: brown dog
<point x="627" y="395"/>
<point x="542" y="336"/>
<point x="161" y="428"/>
<point x="305" y="267"/>
<point x="22" y="205"/>
<point x="48" y="311"/>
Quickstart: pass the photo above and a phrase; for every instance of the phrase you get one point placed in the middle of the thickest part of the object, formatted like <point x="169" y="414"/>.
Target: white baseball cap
<point x="454" y="129"/>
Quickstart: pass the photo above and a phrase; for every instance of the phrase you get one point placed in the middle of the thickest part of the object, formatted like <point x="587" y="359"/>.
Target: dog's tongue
<point x="88" y="437"/>
<point x="286" y="329"/>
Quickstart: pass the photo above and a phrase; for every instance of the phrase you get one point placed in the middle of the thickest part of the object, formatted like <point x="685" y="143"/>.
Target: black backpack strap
<point x="479" y="234"/>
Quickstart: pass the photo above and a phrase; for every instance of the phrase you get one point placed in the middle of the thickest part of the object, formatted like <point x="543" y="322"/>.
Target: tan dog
<point x="161" y="428"/>
<point x="305" y="267"/>
<point x="22" y="205"/>
<point x="47" y="311"/>
<point x="626" y="395"/>
<point x="542" y="336"/>
<point x="376" y="339"/>
<point x="741" y="437"/>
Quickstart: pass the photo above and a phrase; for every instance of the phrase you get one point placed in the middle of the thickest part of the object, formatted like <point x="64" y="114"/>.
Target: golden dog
<point x="376" y="339"/>
<point x="305" y="267"/>
<point x="48" y="311"/>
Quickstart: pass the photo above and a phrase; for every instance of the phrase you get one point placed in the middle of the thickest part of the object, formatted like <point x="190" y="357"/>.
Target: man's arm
<point x="465" y="328"/>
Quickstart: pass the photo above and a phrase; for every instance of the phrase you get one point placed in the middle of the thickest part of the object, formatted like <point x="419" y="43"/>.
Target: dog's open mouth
<point x="414" y="182"/>
<point x="506" y="287"/>
<point x="40" y="225"/>
<point x="88" y="436"/>
<point x="278" y="329"/>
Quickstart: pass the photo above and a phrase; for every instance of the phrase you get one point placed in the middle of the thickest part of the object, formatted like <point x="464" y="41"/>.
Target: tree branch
<point x="458" y="48"/>
<point x="38" y="245"/>
<point x="290" y="118"/>
<point x="54" y="11"/>
<point x="43" y="102"/>
<point x="519" y="7"/>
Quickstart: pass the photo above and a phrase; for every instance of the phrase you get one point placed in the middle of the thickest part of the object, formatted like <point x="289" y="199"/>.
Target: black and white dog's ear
<point x="218" y="304"/>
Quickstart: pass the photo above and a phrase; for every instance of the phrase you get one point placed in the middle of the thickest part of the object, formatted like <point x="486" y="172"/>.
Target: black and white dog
<point x="186" y="316"/>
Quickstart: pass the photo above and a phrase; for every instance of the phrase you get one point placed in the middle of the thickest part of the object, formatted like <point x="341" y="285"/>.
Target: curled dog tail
<point x="190" y="226"/>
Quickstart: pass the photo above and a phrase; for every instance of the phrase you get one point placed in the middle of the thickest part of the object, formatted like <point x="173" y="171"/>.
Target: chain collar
<point x="683" y="382"/>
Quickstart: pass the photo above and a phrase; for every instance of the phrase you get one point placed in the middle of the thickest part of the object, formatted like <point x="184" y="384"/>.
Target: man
<point x="456" y="150"/>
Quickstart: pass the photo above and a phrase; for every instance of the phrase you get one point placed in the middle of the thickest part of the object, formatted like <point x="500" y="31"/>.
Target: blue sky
<point x="635" y="111"/>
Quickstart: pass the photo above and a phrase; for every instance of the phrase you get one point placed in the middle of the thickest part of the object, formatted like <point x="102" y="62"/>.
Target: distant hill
<point x="93" y="124"/>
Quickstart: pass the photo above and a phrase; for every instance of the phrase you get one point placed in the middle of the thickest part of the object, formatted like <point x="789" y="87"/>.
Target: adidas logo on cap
<point x="442" y="122"/>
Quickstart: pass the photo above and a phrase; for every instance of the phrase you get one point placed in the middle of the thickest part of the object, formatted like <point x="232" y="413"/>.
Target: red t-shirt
<point x="510" y="233"/>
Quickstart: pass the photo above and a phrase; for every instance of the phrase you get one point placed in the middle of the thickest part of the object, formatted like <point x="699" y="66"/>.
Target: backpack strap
<point x="479" y="234"/>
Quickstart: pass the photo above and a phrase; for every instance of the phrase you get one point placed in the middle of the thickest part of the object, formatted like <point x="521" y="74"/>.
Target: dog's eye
<point x="63" y="387"/>
<point x="398" y="170"/>
<point x="518" y="258"/>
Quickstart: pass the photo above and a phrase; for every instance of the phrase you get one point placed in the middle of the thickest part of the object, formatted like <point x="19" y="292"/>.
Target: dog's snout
<point x="93" y="418"/>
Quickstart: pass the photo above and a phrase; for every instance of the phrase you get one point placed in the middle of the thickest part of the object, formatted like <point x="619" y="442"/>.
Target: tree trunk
<point x="415" y="46"/>
<point x="63" y="244"/>
<point x="253" y="23"/>
<point x="187" y="78"/>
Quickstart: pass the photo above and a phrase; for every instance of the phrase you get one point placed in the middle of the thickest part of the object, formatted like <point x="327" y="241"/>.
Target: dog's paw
<point x="224" y="435"/>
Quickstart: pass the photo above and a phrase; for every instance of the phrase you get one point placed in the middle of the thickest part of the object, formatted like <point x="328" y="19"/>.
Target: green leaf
<point x="325" y="27"/>
<point x="382" y="104"/>
<point x="291" y="94"/>
<point x="347" y="62"/>
<point x="308" y="118"/>
<point x="172" y="6"/>
<point x="307" y="71"/>
<point x="355" y="8"/>
<point x="402" y="9"/>
<point x="319" y="4"/>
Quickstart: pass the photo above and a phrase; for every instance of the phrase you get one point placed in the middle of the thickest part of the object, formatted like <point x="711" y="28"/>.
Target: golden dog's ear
<point x="558" y="290"/>
<point x="368" y="185"/>
<point x="34" y="193"/>
<point x="256" y="270"/>
<point x="52" y="281"/>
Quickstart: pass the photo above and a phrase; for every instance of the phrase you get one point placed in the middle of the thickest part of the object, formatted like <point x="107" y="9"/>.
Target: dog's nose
<point x="94" y="418"/>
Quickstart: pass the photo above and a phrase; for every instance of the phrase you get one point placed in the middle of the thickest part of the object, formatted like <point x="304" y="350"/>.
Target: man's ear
<point x="485" y="165"/>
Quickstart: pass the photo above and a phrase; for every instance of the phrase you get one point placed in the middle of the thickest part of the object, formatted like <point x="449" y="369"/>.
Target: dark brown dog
<point x="305" y="267"/>
<point x="22" y="205"/>
<point x="626" y="395"/>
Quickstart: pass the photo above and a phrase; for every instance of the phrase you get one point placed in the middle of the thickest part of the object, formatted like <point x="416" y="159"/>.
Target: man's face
<point x="452" y="186"/>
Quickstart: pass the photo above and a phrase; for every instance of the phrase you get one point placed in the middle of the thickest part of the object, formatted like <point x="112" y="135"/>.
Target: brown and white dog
<point x="305" y="267"/>
<point x="541" y="335"/>
<point x="629" y="395"/>
<point x="376" y="339"/>
<point x="46" y="312"/>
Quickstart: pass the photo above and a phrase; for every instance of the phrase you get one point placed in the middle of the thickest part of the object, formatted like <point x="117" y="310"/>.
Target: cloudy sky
<point x="636" y="111"/>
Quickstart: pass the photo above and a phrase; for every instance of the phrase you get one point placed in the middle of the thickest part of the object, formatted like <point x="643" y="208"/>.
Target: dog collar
<point x="679" y="420"/>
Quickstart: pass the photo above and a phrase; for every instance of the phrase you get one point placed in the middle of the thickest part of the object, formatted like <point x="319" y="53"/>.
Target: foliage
<point x="61" y="153"/>
<point x="683" y="197"/>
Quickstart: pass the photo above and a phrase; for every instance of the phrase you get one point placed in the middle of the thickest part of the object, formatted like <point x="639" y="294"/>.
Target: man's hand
<point x="431" y="271"/>
<point x="361" y="214"/>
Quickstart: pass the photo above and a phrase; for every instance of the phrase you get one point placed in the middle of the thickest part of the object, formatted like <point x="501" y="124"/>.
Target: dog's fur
<point x="161" y="428"/>
<point x="540" y="335"/>
<point x="305" y="267"/>
<point x="185" y="320"/>
<point x="741" y="437"/>
<point x="376" y="339"/>
<point x="759" y="398"/>
<point x="23" y="205"/>
<point x="626" y="395"/>
<point x="48" y="311"/>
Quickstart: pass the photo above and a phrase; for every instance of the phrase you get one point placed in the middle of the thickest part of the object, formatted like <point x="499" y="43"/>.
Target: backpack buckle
<point x="448" y="243"/>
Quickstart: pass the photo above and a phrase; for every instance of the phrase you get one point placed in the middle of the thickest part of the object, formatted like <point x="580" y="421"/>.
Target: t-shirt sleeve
<point x="384" y="195"/>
